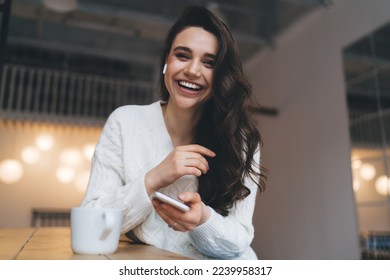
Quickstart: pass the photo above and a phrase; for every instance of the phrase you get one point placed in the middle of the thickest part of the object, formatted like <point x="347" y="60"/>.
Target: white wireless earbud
<point x="165" y="68"/>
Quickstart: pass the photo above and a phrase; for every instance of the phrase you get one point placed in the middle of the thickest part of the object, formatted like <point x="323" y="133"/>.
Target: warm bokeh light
<point x="356" y="184"/>
<point x="356" y="163"/>
<point x="88" y="150"/>
<point x="71" y="157"/>
<point x="382" y="185"/>
<point x="81" y="181"/>
<point x="44" y="141"/>
<point x="367" y="171"/>
<point x="31" y="155"/>
<point x="65" y="174"/>
<point x="11" y="171"/>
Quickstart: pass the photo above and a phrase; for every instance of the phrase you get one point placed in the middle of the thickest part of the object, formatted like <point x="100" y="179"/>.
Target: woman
<point x="198" y="144"/>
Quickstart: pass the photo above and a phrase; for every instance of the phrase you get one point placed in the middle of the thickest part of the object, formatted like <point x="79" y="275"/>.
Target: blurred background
<point x="319" y="69"/>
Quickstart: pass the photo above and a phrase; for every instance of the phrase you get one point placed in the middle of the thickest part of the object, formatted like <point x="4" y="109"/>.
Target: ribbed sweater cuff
<point x="207" y="230"/>
<point x="140" y="199"/>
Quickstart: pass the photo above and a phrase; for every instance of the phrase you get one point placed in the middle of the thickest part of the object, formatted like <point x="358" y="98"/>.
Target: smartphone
<point x="169" y="200"/>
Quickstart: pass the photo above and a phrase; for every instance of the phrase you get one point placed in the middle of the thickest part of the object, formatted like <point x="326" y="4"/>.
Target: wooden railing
<point x="28" y="93"/>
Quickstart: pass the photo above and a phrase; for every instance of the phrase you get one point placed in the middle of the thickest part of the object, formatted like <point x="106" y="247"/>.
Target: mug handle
<point x="109" y="222"/>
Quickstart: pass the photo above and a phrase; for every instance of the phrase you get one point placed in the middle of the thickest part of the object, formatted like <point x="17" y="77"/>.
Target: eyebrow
<point x="186" y="49"/>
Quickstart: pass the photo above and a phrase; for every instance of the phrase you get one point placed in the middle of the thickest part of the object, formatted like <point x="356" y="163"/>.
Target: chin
<point x="190" y="103"/>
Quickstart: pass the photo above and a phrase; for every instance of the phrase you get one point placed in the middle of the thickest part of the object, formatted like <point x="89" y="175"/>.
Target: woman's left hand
<point x="180" y="221"/>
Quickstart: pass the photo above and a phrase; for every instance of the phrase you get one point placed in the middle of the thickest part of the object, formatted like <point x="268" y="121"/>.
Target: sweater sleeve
<point x="228" y="237"/>
<point x="107" y="186"/>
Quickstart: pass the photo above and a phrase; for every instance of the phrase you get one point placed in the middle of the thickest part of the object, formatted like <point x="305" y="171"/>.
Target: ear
<point x="164" y="69"/>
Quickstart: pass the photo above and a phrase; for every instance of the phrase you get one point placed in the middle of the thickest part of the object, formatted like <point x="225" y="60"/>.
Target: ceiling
<point x="123" y="38"/>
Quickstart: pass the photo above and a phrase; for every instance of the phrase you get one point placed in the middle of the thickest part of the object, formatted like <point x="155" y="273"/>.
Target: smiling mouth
<point x="190" y="86"/>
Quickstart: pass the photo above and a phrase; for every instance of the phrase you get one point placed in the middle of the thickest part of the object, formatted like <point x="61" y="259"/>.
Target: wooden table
<point x="53" y="243"/>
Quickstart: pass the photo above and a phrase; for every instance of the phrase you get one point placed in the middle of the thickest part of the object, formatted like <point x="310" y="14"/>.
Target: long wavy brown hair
<point x="225" y="126"/>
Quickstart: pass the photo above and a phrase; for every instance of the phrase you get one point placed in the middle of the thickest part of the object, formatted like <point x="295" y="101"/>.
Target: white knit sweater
<point x="133" y="141"/>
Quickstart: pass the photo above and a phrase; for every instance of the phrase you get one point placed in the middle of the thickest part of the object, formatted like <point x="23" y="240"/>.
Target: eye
<point x="209" y="63"/>
<point x="182" y="56"/>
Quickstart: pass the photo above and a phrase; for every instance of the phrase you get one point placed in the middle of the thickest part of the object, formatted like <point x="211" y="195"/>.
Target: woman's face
<point x="190" y="64"/>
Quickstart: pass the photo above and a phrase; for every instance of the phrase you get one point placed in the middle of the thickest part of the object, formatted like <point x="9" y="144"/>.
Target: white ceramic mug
<point x="95" y="230"/>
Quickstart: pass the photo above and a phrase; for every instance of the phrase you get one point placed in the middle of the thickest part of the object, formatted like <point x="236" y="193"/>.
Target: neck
<point x="180" y="124"/>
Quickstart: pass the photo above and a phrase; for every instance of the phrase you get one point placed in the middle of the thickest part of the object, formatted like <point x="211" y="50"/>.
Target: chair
<point x="50" y="217"/>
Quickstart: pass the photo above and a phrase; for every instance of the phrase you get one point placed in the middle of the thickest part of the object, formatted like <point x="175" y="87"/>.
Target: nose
<point x="193" y="69"/>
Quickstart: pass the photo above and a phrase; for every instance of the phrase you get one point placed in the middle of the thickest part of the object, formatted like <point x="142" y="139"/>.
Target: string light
<point x="44" y="141"/>
<point x="382" y="185"/>
<point x="367" y="171"/>
<point x="65" y="174"/>
<point x="31" y="155"/>
<point x="11" y="171"/>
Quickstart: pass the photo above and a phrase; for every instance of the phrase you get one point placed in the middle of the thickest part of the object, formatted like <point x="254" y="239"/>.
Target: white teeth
<point x="189" y="85"/>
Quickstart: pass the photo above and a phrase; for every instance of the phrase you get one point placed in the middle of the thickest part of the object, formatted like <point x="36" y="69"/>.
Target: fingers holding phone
<point x="177" y="216"/>
<point x="171" y="201"/>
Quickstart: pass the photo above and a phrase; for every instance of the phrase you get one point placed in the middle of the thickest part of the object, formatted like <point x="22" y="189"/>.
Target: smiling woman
<point x="198" y="145"/>
<point x="189" y="73"/>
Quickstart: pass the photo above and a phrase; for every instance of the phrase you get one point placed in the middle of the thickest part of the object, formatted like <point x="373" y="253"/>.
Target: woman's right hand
<point x="183" y="160"/>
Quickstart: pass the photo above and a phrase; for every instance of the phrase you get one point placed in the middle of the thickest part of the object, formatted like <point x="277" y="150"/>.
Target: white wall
<point x="308" y="209"/>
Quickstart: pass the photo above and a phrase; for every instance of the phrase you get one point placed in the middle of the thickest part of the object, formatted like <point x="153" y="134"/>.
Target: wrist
<point x="150" y="183"/>
<point x="205" y="214"/>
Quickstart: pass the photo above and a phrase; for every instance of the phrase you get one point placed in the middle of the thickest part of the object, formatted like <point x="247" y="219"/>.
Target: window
<point x="367" y="75"/>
